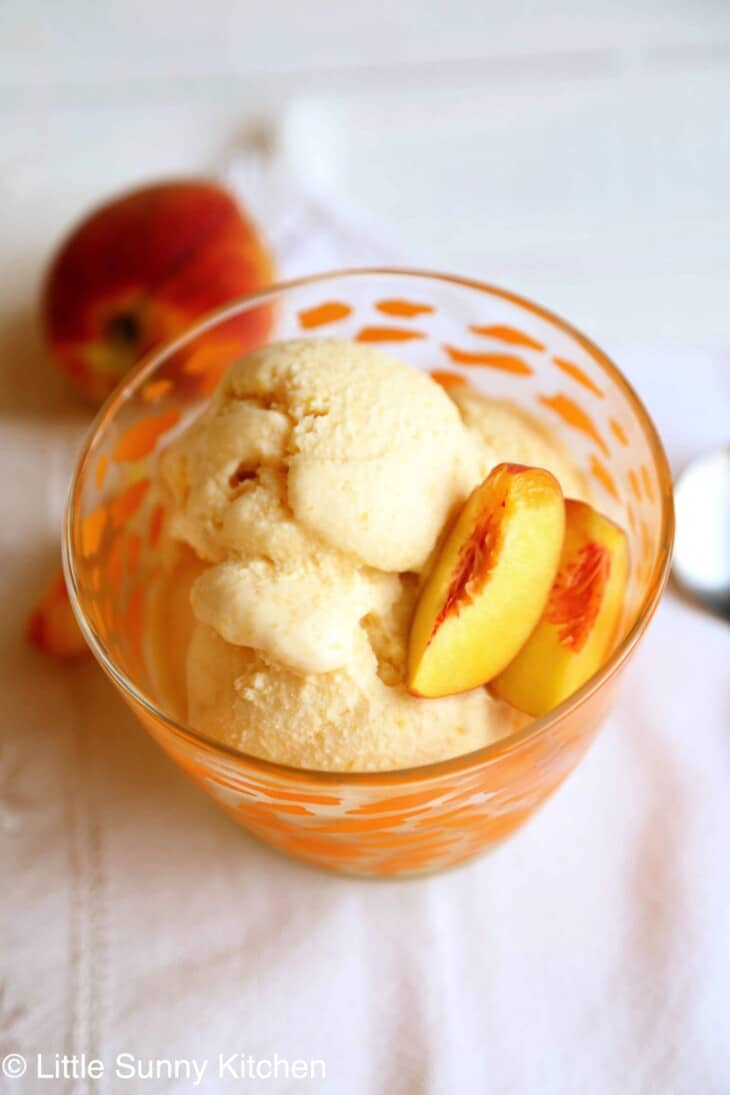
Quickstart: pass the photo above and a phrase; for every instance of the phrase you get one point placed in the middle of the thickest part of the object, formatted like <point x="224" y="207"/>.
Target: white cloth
<point x="590" y="954"/>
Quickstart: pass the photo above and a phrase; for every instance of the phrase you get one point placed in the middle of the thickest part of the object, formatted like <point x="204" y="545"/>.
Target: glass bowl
<point x="398" y="822"/>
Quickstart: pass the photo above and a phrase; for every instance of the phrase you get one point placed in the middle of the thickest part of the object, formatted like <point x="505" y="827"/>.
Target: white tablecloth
<point x="590" y="954"/>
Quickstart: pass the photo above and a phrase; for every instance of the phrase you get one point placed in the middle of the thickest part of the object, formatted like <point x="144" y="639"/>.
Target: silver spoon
<point x="702" y="542"/>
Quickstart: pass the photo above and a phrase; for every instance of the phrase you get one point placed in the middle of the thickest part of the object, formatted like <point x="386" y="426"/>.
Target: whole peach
<point x="140" y="269"/>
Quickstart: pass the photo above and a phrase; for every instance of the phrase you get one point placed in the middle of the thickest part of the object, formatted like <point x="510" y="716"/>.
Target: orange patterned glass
<point x="401" y="822"/>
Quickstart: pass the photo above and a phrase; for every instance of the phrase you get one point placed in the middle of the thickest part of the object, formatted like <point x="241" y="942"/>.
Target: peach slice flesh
<point x="580" y="625"/>
<point x="52" y="625"/>
<point x="489" y="583"/>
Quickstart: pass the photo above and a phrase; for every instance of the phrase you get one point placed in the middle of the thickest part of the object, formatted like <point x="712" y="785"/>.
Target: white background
<point x="578" y="152"/>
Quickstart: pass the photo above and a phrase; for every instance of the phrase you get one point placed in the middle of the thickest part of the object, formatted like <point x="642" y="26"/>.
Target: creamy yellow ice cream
<point x="312" y="491"/>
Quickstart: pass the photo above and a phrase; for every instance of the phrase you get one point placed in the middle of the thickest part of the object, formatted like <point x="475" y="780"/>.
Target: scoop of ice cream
<point x="374" y="452"/>
<point x="318" y="472"/>
<point x="313" y="490"/>
<point x="306" y="617"/>
<point x="347" y="720"/>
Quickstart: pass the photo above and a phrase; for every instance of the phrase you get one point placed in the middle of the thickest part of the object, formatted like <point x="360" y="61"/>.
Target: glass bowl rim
<point x="475" y="758"/>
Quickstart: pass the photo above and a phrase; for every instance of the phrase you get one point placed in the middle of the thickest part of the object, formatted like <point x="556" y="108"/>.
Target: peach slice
<point x="489" y="583"/>
<point x="52" y="625"/>
<point x="579" y="627"/>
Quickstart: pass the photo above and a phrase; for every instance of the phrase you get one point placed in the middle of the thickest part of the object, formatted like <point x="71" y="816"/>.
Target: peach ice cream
<point x="308" y="500"/>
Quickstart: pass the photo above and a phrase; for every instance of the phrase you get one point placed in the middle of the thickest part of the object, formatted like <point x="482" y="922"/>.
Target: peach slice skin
<point x="52" y="625"/>
<point x="580" y="625"/>
<point x="489" y="583"/>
